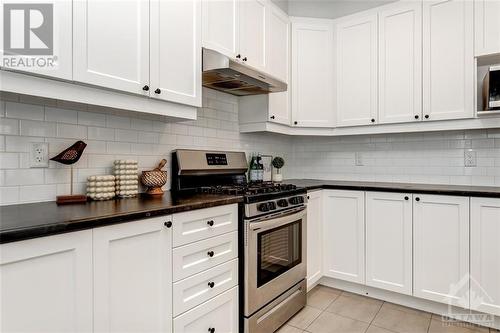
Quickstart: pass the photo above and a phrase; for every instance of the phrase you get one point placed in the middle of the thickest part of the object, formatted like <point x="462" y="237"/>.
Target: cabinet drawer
<point x="197" y="257"/>
<point x="201" y="287"/>
<point x="204" y="223"/>
<point x="220" y="314"/>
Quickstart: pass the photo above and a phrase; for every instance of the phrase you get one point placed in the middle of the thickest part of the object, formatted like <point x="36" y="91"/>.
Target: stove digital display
<point x="216" y="159"/>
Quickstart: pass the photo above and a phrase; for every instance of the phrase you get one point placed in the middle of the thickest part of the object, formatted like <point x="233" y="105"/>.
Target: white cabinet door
<point x="400" y="63"/>
<point x="61" y="43"/>
<point x="485" y="255"/>
<point x="47" y="284"/>
<point x="253" y="21"/>
<point x="278" y="62"/>
<point x="487" y="14"/>
<point x="314" y="235"/>
<point x="356" y="70"/>
<point x="389" y="241"/>
<point x="441" y="249"/>
<point x="176" y="51"/>
<point x="219" y="314"/>
<point x="448" y="59"/>
<point x="344" y="235"/>
<point x="133" y="277"/>
<point x="312" y="73"/>
<point x="221" y="26"/>
<point x="111" y="44"/>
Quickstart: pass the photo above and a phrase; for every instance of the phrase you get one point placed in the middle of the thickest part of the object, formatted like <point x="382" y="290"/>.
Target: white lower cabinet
<point x="314" y="234"/>
<point x="344" y="235"/>
<point x="389" y="241"/>
<point x="485" y="255"/>
<point x="220" y="314"/>
<point x="441" y="249"/>
<point x="133" y="277"/>
<point x="47" y="284"/>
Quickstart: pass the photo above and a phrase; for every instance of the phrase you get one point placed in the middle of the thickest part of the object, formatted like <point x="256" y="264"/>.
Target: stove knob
<point x="294" y="200"/>
<point x="263" y="207"/>
<point x="300" y="199"/>
<point x="272" y="205"/>
<point x="282" y="203"/>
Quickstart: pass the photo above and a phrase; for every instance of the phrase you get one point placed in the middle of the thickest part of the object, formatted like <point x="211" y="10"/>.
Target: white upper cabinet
<point x="47" y="284"/>
<point x="487" y="23"/>
<point x="133" y="277"/>
<point x="221" y="26"/>
<point x="314" y="235"/>
<point x="344" y="235"/>
<point x="312" y="72"/>
<point x="448" y="59"/>
<point x="389" y="241"/>
<point x="111" y="44"/>
<point x="175" y="70"/>
<point x="356" y="70"/>
<point x="400" y="63"/>
<point x="253" y="21"/>
<point x="441" y="249"/>
<point x="485" y="255"/>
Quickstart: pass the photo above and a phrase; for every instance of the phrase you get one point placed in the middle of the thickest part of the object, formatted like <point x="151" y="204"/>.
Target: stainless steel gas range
<point x="272" y="234"/>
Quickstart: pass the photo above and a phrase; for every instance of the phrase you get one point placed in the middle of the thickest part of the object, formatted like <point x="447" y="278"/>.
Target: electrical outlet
<point x="358" y="159"/>
<point x="39" y="155"/>
<point x="470" y="158"/>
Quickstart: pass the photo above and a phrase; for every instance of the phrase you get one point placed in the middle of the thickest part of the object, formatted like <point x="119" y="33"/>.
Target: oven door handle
<point x="278" y="221"/>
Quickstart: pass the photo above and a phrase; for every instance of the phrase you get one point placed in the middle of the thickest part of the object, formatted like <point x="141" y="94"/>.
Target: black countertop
<point x="24" y="221"/>
<point x="459" y="190"/>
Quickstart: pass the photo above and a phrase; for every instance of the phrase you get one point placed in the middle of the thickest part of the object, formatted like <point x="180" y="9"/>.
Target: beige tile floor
<point x="334" y="311"/>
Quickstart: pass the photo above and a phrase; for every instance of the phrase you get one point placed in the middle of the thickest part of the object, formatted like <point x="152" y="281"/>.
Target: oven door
<point x="275" y="256"/>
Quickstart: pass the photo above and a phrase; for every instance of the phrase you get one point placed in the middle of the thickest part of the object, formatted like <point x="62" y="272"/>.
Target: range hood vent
<point x="227" y="75"/>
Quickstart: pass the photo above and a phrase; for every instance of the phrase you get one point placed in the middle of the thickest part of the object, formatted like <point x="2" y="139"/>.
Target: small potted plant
<point x="278" y="163"/>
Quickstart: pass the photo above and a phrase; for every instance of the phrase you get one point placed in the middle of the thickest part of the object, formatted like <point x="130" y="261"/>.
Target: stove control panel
<point x="274" y="205"/>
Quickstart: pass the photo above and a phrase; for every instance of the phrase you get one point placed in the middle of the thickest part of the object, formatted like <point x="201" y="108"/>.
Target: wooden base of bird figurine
<point x="71" y="199"/>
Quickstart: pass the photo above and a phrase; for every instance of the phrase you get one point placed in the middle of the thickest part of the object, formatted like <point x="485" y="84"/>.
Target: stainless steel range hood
<point x="236" y="78"/>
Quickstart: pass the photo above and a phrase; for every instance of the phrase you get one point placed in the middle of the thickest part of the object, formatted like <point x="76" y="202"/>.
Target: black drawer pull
<point x="210" y="253"/>
<point x="210" y="223"/>
<point x="168" y="224"/>
<point x="417" y="199"/>
<point x="211" y="284"/>
<point x="406" y="198"/>
<point x="211" y="329"/>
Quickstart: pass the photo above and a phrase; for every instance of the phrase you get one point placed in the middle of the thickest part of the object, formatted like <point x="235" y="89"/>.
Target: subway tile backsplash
<point x="435" y="157"/>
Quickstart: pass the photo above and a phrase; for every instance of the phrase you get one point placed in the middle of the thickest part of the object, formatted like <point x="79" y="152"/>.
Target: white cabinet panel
<point x="204" y="223"/>
<point x="220" y="314"/>
<point x="314" y="235"/>
<point x="389" y="241"/>
<point x="47" y="284"/>
<point x="356" y="70"/>
<point x="133" y="277"/>
<point x="111" y="44"/>
<point x="221" y="26"/>
<point x="176" y="51"/>
<point x="201" y="287"/>
<point x="199" y="256"/>
<point x="448" y="59"/>
<point x="400" y="63"/>
<point x="312" y="73"/>
<point x="441" y="249"/>
<point x="485" y="255"/>
<point x="487" y="24"/>
<point x="344" y="235"/>
<point x="61" y="57"/>
<point x="253" y="20"/>
<point x="278" y="44"/>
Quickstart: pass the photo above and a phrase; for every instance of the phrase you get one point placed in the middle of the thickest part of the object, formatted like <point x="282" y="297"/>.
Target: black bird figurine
<point x="70" y="155"/>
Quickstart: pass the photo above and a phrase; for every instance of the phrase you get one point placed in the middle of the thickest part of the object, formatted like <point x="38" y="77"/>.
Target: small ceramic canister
<point x="101" y="187"/>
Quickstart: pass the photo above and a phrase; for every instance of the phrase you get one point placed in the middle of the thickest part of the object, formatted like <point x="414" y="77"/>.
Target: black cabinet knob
<point x="211" y="330"/>
<point x="244" y="59"/>
<point x="158" y="91"/>
<point x="406" y="198"/>
<point x="211" y="284"/>
<point x="145" y="88"/>
<point x="272" y="117"/>
<point x="295" y="123"/>
<point x="168" y="224"/>
<point x="417" y="199"/>
<point x="426" y="116"/>
<point x="308" y="198"/>
<point x="210" y="223"/>
<point x="417" y="116"/>
<point x="373" y="120"/>
<point x="238" y="56"/>
<point x="210" y="253"/>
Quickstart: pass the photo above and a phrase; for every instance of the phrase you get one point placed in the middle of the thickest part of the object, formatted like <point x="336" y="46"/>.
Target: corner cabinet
<point x="312" y="73"/>
<point x="448" y="59"/>
<point x="314" y="235"/>
<point x="441" y="249"/>
<point x="133" y="277"/>
<point x="344" y="235"/>
<point x="356" y="70"/>
<point x="47" y="284"/>
<point x="487" y="27"/>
